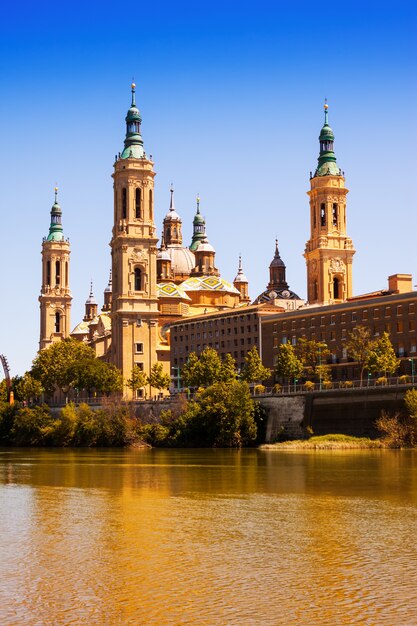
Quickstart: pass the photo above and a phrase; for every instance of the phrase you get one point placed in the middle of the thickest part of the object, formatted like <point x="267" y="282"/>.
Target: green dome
<point x="56" y="232"/>
<point x="326" y="133"/>
<point x="133" y="114"/>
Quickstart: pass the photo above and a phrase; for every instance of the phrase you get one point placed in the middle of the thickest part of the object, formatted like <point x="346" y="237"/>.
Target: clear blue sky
<point x="231" y="96"/>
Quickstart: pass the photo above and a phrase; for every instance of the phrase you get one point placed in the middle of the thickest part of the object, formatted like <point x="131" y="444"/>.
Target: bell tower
<point x="55" y="298"/>
<point x="134" y="306"/>
<point x="329" y="251"/>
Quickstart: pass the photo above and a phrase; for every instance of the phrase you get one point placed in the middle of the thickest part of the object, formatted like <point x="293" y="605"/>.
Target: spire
<point x="199" y="228"/>
<point x="108" y="295"/>
<point x="109" y="284"/>
<point x="172" y="203"/>
<point x="240" y="276"/>
<point x="56" y="232"/>
<point x="327" y="165"/>
<point x="91" y="299"/>
<point x="172" y="226"/>
<point x="133" y="142"/>
<point x="277" y="271"/>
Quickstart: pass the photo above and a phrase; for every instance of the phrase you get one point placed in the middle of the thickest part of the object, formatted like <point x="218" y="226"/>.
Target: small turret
<point x="277" y="270"/>
<point x="56" y="232"/>
<point x="172" y="225"/>
<point x="327" y="165"/>
<point x="108" y="295"/>
<point x="199" y="228"/>
<point x="241" y="283"/>
<point x="90" y="306"/>
<point x="133" y="142"/>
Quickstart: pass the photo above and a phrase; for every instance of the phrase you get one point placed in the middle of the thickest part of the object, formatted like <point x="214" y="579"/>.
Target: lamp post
<point x="412" y="370"/>
<point x="369" y="377"/>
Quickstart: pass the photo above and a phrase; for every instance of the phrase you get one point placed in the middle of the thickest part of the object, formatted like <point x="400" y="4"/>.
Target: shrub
<point x="397" y="431"/>
<point x="259" y="389"/>
<point x="404" y="379"/>
<point x="309" y="385"/>
<point x="32" y="426"/>
<point x="346" y="384"/>
<point x="277" y="388"/>
<point x="382" y="380"/>
<point x="327" y="384"/>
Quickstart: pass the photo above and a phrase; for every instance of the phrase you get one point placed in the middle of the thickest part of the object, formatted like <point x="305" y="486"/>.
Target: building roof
<point x="208" y="283"/>
<point x="171" y="290"/>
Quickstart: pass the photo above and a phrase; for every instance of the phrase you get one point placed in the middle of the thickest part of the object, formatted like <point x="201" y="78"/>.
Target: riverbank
<point x="326" y="442"/>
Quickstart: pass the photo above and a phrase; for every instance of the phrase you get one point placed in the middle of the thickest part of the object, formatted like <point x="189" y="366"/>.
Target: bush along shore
<point x="221" y="415"/>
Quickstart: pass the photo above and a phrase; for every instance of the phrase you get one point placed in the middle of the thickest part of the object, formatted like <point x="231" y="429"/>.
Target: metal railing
<point x="339" y="385"/>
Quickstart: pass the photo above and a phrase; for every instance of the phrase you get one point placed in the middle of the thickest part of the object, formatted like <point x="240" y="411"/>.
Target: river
<point x="207" y="537"/>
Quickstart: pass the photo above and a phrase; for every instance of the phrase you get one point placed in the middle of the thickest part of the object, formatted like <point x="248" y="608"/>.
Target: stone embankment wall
<point x="350" y="412"/>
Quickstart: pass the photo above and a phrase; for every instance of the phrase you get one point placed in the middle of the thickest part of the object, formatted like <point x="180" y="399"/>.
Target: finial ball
<point x="133" y="85"/>
<point x="326" y="106"/>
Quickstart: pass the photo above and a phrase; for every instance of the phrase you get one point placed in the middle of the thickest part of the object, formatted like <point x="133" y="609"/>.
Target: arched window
<point x="323" y="214"/>
<point x="48" y="273"/>
<point x="334" y="215"/>
<point x="336" y="288"/>
<point x="57" y="272"/>
<point x="138" y="205"/>
<point x="150" y="204"/>
<point x="315" y="290"/>
<point x="138" y="279"/>
<point x="57" y="322"/>
<point x="66" y="274"/>
<point x="124" y="203"/>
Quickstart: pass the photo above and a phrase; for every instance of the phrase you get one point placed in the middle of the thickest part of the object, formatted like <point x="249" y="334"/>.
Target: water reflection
<point x="207" y="537"/>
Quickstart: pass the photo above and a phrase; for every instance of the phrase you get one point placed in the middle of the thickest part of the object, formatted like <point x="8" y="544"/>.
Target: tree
<point x="223" y="415"/>
<point x="288" y="364"/>
<point x="94" y="374"/>
<point x="138" y="379"/>
<point x="359" y="346"/>
<point x="52" y="366"/>
<point x="311" y="352"/>
<point x="253" y="371"/>
<point x="382" y="358"/>
<point x="207" y="369"/>
<point x="157" y="378"/>
<point x="27" y="388"/>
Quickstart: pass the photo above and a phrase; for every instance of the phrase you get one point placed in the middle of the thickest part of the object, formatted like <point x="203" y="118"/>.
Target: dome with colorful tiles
<point x="171" y="290"/>
<point x="208" y="283"/>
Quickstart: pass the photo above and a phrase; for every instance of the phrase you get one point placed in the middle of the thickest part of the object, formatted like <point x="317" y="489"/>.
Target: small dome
<point x="205" y="246"/>
<point x="172" y="215"/>
<point x="277" y="261"/>
<point x="240" y="278"/>
<point x="182" y="259"/>
<point x="163" y="255"/>
<point x="326" y="133"/>
<point x="133" y="115"/>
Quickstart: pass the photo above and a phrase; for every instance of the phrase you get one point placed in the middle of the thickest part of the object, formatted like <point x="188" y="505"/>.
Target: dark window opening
<point x="323" y="214"/>
<point x="48" y="272"/>
<point x="57" y="322"/>
<point x="336" y="288"/>
<point x="138" y="279"/>
<point x="150" y="204"/>
<point x="334" y="214"/>
<point x="138" y="203"/>
<point x="124" y="203"/>
<point x="57" y="272"/>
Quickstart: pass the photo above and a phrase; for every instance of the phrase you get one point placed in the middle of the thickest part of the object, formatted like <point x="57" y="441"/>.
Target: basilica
<point x="165" y="301"/>
<point x="150" y="286"/>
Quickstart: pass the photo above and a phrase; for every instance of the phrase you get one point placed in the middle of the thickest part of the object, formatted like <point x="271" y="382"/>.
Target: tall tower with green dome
<point x="329" y="251"/>
<point x="55" y="297"/>
<point x="134" y="308"/>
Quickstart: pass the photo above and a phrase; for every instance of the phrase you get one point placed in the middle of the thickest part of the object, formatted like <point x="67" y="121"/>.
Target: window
<point x="376" y="314"/>
<point x="139" y="348"/>
<point x="150" y="204"/>
<point x="399" y="310"/>
<point x="336" y="288"/>
<point x="411" y="308"/>
<point x="413" y="347"/>
<point x="323" y="214"/>
<point x="48" y="272"/>
<point x="387" y="311"/>
<point x="292" y="325"/>
<point x="124" y="203"/>
<point x="138" y="279"/>
<point x="138" y="203"/>
<point x="57" y="322"/>
<point x="400" y="326"/>
<point x="139" y="364"/>
<point x="343" y="318"/>
<point x="344" y="353"/>
<point x="353" y="318"/>
<point x="411" y="325"/>
<point x="333" y="319"/>
<point x="284" y="340"/>
<point x="57" y="272"/>
<point x="401" y="350"/>
<point x="334" y="215"/>
<point x="364" y="315"/>
<point x="294" y="340"/>
<point x="312" y="322"/>
<point x="322" y="320"/>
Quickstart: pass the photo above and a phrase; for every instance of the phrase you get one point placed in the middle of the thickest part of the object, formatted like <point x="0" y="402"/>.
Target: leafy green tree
<point x="311" y="353"/>
<point x="253" y="371"/>
<point x="27" y="388"/>
<point x="382" y="358"/>
<point x="288" y="364"/>
<point x="222" y="415"/>
<point x="138" y="379"/>
<point x="359" y="345"/>
<point x="207" y="369"/>
<point x="94" y="374"/>
<point x="157" y="378"/>
<point x="32" y="426"/>
<point x="323" y="373"/>
<point x="410" y="400"/>
<point x="3" y="391"/>
<point x="52" y="366"/>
